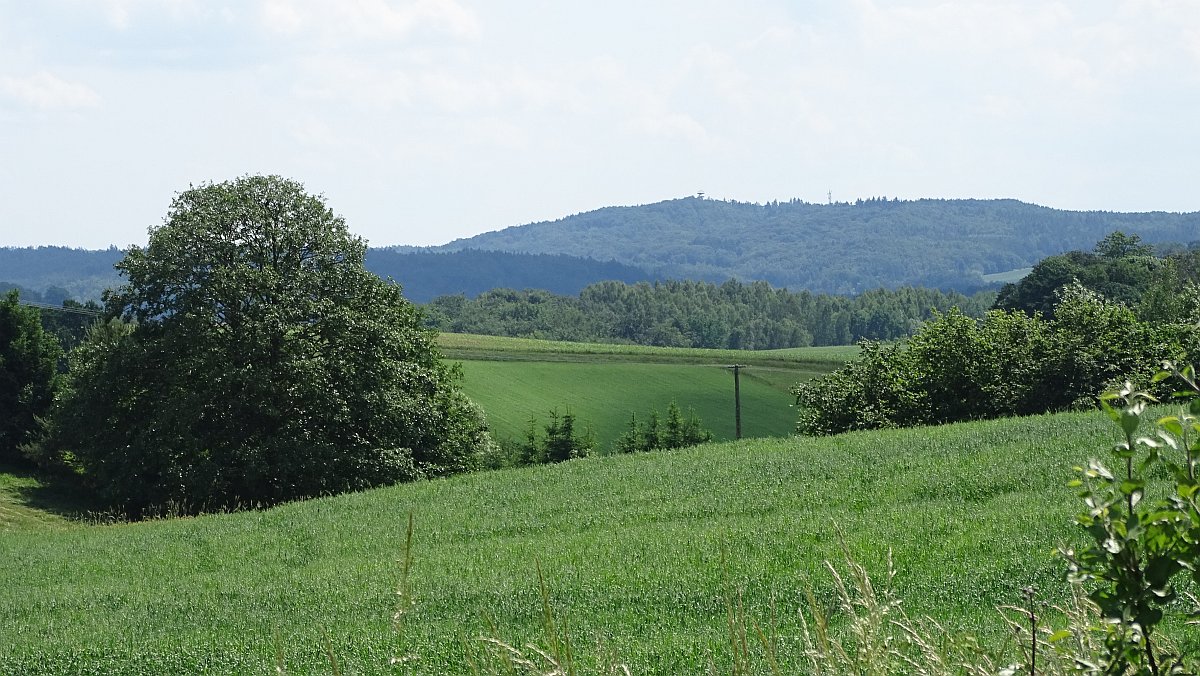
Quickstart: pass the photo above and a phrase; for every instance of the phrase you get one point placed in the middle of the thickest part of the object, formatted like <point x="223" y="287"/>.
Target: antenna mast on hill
<point x="829" y="196"/>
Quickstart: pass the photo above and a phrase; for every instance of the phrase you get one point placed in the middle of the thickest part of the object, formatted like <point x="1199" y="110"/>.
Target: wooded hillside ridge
<point x="839" y="248"/>
<point x="843" y="247"/>
<point x="426" y="275"/>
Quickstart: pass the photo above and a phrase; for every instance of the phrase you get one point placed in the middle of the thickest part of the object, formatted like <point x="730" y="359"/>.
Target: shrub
<point x="1009" y="363"/>
<point x="655" y="435"/>
<point x="555" y="441"/>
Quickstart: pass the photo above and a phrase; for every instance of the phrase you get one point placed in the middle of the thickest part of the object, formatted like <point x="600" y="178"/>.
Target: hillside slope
<point x="631" y="547"/>
<point x="837" y="248"/>
<point x="426" y="275"/>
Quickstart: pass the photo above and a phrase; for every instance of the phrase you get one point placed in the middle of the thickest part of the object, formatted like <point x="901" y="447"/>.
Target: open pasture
<point x="603" y="396"/>
<point x="471" y="346"/>
<point x="631" y="548"/>
<point x="514" y="379"/>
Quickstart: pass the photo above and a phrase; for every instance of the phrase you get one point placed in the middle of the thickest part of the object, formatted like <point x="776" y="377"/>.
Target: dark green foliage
<point x="425" y="275"/>
<point x="1008" y="363"/>
<point x="873" y="391"/>
<point x="1174" y="293"/>
<point x="1120" y="267"/>
<point x="557" y="441"/>
<point x="650" y="434"/>
<point x="70" y="323"/>
<point x="1117" y="245"/>
<point x="698" y="314"/>
<point x="676" y="431"/>
<point x="29" y="359"/>
<point x="630" y="441"/>
<point x="261" y="362"/>
<point x="66" y="318"/>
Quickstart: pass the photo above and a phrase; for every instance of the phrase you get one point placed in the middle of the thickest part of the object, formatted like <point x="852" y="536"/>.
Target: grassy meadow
<point x="631" y="548"/>
<point x="602" y="396"/>
<point x="471" y="346"/>
<point x="514" y="379"/>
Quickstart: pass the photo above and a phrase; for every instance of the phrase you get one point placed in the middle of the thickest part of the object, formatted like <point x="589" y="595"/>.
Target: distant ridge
<point x="835" y="248"/>
<point x="52" y="274"/>
<point x="841" y="248"/>
<point x="425" y="275"/>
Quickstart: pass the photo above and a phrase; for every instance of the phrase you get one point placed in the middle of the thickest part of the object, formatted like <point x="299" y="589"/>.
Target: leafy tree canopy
<point x="698" y="314"/>
<point x="28" y="374"/>
<point x="1120" y="267"/>
<point x="1119" y="245"/>
<point x="250" y="357"/>
<point x="1009" y="363"/>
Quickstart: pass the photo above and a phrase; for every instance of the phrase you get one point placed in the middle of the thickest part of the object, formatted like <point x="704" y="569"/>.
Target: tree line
<point x="1080" y="323"/>
<point x="733" y="315"/>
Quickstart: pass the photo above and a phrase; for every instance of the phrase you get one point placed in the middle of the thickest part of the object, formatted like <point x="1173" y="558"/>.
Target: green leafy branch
<point x="1140" y="545"/>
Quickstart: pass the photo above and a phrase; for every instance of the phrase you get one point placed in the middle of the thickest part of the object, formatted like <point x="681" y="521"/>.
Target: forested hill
<point x="427" y="275"/>
<point x="836" y="248"/>
<point x="51" y="274"/>
<point x="839" y="248"/>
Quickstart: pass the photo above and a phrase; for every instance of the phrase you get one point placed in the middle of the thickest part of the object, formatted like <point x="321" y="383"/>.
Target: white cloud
<point x="672" y="125"/>
<point x="340" y="23"/>
<point x="46" y="91"/>
<point x="541" y="106"/>
<point x="120" y="13"/>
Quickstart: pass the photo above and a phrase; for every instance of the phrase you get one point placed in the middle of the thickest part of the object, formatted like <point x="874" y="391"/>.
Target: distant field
<point x="514" y="379"/>
<point x="631" y="548"/>
<point x="470" y="346"/>
<point x="603" y="395"/>
<point x="1007" y="277"/>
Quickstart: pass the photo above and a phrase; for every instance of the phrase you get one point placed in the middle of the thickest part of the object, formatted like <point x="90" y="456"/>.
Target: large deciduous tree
<point x="28" y="374"/>
<point x="250" y="357"/>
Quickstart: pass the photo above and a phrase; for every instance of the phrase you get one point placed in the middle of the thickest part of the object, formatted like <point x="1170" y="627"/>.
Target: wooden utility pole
<point x="737" y="399"/>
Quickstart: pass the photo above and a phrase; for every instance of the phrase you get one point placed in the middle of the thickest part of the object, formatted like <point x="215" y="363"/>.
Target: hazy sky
<point x="422" y="121"/>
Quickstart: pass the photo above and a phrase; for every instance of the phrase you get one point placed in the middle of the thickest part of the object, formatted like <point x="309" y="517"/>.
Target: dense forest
<point x="752" y="316"/>
<point x="837" y="248"/>
<point x="426" y="275"/>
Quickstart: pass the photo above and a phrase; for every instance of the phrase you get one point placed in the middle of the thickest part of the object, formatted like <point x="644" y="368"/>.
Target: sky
<point x="425" y="121"/>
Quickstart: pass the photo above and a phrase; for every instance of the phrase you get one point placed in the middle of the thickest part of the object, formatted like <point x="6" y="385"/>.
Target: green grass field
<point x="631" y="548"/>
<point x="514" y="379"/>
<point x="1009" y="276"/>
<point x="602" y="395"/>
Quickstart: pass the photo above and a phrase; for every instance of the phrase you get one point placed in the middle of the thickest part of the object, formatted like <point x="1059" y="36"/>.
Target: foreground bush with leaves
<point x="1144" y="538"/>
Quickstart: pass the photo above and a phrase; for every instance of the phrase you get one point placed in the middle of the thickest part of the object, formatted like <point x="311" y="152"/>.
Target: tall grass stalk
<point x="404" y="601"/>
